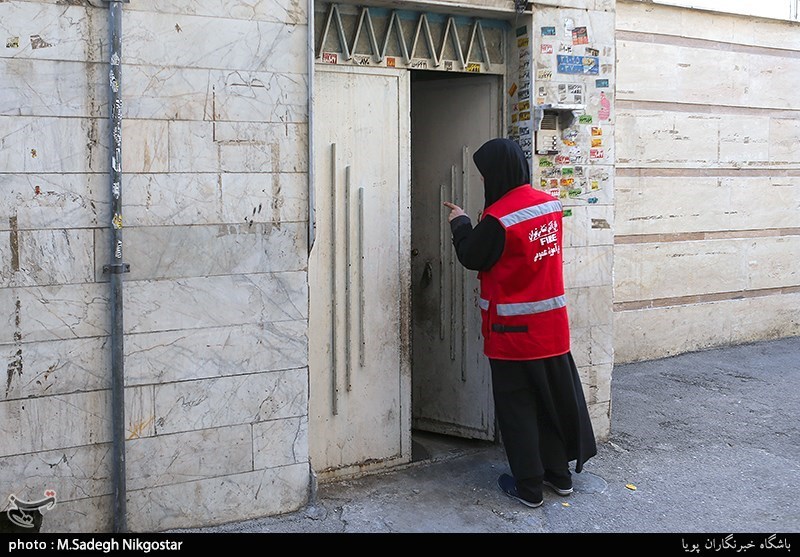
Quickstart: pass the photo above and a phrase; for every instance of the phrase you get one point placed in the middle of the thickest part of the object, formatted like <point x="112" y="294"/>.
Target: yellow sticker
<point x="565" y="504"/>
<point x="631" y="487"/>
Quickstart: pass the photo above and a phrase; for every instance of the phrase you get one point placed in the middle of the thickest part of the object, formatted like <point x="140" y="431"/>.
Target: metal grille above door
<point x="379" y="37"/>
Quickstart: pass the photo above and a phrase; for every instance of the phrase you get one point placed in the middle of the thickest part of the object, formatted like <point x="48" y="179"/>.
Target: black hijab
<point x="503" y="166"/>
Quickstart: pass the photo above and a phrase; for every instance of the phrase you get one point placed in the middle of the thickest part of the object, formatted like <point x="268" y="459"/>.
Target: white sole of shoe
<point x="557" y="489"/>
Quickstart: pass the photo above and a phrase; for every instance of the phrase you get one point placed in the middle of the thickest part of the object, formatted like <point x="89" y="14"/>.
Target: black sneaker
<point x="507" y="484"/>
<point x="560" y="484"/>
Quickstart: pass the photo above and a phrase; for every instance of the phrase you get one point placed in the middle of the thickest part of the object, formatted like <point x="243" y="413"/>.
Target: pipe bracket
<point x="117" y="268"/>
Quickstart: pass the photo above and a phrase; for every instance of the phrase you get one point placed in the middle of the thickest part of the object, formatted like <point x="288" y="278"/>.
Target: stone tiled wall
<point x="707" y="235"/>
<point x="214" y="207"/>
<point x="588" y="199"/>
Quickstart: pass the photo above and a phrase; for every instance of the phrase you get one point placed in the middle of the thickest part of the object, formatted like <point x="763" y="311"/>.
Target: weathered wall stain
<point x="14" y="240"/>
<point x="15" y="365"/>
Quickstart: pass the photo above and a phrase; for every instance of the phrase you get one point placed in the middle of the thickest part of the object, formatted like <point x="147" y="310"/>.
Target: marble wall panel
<point x="52" y="31"/>
<point x="237" y="147"/>
<point x="712" y="26"/>
<point x="70" y="420"/>
<point x="188" y="456"/>
<point x="587" y="266"/>
<point x="73" y="472"/>
<point x="45" y="257"/>
<point x="213" y="42"/>
<point x="660" y="332"/>
<point x="52" y="145"/>
<point x="293" y="12"/>
<point x="772" y="262"/>
<point x="224" y="401"/>
<point x="169" y="356"/>
<point x="214" y="301"/>
<point x="683" y="204"/>
<point x="53" y="312"/>
<point x="280" y="442"/>
<point x="45" y="368"/>
<point x="664" y="270"/>
<point x="45" y="201"/>
<point x="203" y="251"/>
<point x="219" y="500"/>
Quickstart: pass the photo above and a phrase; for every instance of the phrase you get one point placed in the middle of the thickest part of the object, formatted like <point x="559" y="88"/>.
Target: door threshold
<point x="427" y="446"/>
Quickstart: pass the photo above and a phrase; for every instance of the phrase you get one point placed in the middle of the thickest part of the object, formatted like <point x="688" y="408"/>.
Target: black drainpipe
<point x="116" y="268"/>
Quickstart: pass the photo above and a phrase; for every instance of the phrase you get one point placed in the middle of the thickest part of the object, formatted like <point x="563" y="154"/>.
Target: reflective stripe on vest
<point x="526" y="308"/>
<point x="531" y="213"/>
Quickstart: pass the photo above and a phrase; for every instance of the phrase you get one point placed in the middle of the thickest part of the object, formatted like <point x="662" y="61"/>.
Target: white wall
<point x="707" y="235"/>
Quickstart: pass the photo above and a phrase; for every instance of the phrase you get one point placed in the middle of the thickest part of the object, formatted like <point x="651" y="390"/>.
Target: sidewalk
<point x="710" y="441"/>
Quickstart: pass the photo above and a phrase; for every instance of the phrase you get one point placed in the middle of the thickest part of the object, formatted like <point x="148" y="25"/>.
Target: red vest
<point x="522" y="296"/>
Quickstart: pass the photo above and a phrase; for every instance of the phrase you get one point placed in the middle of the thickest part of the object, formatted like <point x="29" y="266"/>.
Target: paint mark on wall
<point x="34" y="154"/>
<point x="178" y="28"/>
<point x="14" y="239"/>
<point x="600" y="223"/>
<point x="38" y="42"/>
<point x="138" y="428"/>
<point x="15" y="365"/>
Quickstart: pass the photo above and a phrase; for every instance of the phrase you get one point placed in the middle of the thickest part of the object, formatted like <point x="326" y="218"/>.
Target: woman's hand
<point x="455" y="211"/>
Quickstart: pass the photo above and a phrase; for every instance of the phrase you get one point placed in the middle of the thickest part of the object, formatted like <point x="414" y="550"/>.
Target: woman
<point x="517" y="249"/>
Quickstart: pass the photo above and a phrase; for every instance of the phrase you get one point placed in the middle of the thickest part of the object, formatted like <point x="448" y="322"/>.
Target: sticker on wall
<point x="544" y="74"/>
<point x="547" y="49"/>
<point x="567" y="171"/>
<point x="605" y="107"/>
<point x="512" y="89"/>
<point x="523" y="42"/>
<point x="514" y="117"/>
<point x="585" y="119"/>
<point x="330" y="57"/>
<point x="601" y="83"/>
<point x="565" y="48"/>
<point x="580" y="35"/>
<point x="569" y="25"/>
<point x="597" y="142"/>
<point x="596" y="154"/>
<point x="567" y="212"/>
<point x="592" y="200"/>
<point x="562" y="159"/>
<point x="548" y="31"/>
<point x="474" y="67"/>
<point x="597" y="131"/>
<point x="523" y="116"/>
<point x="13" y="42"/>
<point x="606" y="68"/>
<point x="522" y="31"/>
<point x="595" y="185"/>
<point x="577" y="64"/>
<point x="525" y="105"/>
<point x="592" y="51"/>
<point x="554" y="192"/>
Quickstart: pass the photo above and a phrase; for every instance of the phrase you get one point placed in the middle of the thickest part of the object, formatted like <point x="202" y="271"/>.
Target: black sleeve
<point x="478" y="248"/>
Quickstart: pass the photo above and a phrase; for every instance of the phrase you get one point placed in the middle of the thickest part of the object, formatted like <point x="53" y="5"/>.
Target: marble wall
<point x="215" y="168"/>
<point x="707" y="236"/>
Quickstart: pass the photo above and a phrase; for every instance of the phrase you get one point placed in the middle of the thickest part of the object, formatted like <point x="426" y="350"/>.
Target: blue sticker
<point x="548" y="31"/>
<point x="600" y="83"/>
<point x="578" y="64"/>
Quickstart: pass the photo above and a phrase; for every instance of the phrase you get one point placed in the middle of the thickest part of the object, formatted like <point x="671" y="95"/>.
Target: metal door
<point x="359" y="391"/>
<point x="451" y="387"/>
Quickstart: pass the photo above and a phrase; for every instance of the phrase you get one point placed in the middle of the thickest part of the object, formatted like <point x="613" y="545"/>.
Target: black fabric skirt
<point x="559" y="393"/>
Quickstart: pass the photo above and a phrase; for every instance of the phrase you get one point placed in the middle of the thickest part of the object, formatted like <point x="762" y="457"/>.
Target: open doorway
<point x="452" y="115"/>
